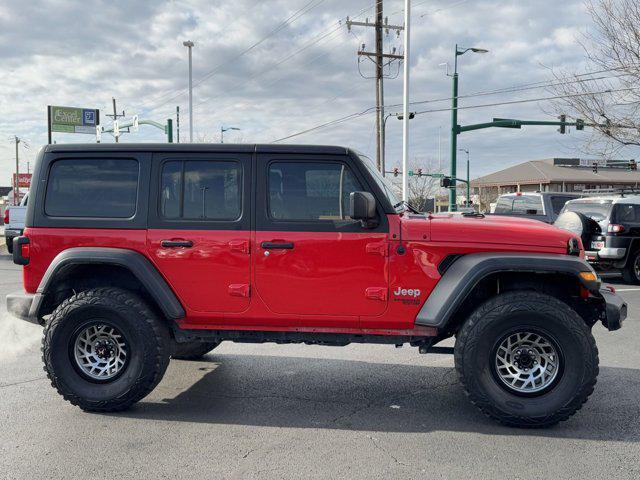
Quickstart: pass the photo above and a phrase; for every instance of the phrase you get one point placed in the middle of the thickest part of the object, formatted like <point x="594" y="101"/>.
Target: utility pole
<point x="189" y="44"/>
<point x="405" y="102"/>
<point x="178" y="123"/>
<point x="115" y="116"/>
<point x="378" y="57"/>
<point x="16" y="192"/>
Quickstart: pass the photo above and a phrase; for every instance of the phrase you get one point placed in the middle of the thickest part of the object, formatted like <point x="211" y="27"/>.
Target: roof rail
<point x="612" y="191"/>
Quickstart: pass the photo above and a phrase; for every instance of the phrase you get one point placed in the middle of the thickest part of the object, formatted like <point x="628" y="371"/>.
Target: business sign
<point x="74" y="120"/>
<point x="24" y="180"/>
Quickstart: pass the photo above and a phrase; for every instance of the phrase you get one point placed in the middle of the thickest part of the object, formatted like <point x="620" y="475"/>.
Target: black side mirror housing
<point x="362" y="206"/>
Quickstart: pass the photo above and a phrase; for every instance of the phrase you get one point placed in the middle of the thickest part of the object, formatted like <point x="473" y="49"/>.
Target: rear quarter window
<point x="92" y="188"/>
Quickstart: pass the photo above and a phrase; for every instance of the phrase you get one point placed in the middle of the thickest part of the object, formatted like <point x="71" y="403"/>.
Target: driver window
<point x="310" y="191"/>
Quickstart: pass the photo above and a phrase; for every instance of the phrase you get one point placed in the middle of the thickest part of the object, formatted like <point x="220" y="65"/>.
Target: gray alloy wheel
<point x="100" y="352"/>
<point x="527" y="362"/>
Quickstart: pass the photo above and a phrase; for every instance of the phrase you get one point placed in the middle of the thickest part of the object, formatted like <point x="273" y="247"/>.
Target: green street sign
<point x="73" y="119"/>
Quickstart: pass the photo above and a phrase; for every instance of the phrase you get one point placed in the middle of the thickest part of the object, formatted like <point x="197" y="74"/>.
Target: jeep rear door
<point x="199" y="230"/>
<point x="310" y="259"/>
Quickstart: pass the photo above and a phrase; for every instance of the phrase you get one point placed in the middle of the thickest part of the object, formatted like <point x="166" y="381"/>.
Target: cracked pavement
<point x="269" y="411"/>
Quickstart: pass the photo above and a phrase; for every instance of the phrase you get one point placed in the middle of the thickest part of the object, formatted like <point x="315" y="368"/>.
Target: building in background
<point x="557" y="175"/>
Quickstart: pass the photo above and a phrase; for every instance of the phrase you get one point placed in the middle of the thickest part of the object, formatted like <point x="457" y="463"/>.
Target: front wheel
<point x="526" y="359"/>
<point x="105" y="349"/>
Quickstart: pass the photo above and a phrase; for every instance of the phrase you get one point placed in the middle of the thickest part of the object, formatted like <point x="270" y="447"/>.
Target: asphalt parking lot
<point x="267" y="411"/>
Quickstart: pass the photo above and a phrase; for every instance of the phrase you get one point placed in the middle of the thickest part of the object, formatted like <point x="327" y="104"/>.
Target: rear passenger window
<point x="92" y="188"/>
<point x="201" y="190"/>
<point x="310" y="191"/>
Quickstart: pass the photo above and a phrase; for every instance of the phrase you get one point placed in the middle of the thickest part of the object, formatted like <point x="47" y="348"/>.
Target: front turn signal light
<point x="588" y="276"/>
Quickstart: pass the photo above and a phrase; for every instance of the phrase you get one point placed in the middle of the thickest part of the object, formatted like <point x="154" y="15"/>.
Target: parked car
<point x="612" y="236"/>
<point x="14" y="217"/>
<point x="543" y="206"/>
<point x="135" y="253"/>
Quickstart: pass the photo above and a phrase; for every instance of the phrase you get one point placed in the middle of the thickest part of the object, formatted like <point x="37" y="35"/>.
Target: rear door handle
<point x="276" y="245"/>
<point x="176" y="243"/>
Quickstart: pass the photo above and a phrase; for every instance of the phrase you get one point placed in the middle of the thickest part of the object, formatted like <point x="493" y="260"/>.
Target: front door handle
<point x="277" y="245"/>
<point x="176" y="243"/>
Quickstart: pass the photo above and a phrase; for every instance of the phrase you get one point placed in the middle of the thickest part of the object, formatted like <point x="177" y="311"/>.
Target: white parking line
<point x="628" y="289"/>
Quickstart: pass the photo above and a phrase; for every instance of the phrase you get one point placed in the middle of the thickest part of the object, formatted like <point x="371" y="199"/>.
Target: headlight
<point x="573" y="247"/>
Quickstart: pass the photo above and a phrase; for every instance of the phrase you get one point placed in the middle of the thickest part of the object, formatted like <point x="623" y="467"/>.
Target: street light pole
<point x="222" y="130"/>
<point x="16" y="192"/>
<point x="454" y="124"/>
<point x="405" y="106"/>
<point x="189" y="44"/>
<point x="468" y="179"/>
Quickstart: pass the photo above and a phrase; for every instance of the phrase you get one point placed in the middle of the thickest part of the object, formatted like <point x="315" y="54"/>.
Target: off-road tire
<point x="507" y="312"/>
<point x="9" y="242"/>
<point x="192" y="350"/>
<point x="147" y="336"/>
<point x="628" y="272"/>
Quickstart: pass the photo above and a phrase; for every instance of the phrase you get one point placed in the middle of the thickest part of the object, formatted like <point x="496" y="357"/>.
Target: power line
<point x="296" y="15"/>
<point x="372" y="109"/>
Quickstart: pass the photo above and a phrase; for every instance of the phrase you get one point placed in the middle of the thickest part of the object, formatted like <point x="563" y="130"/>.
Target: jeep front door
<point x="311" y="259"/>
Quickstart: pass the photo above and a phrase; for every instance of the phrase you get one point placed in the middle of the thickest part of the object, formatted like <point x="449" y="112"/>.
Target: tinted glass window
<point x="310" y="191"/>
<point x="201" y="190"/>
<point x="98" y="188"/>
<point x="528" y="205"/>
<point x="596" y="210"/>
<point x="504" y="205"/>
<point x="625" y="213"/>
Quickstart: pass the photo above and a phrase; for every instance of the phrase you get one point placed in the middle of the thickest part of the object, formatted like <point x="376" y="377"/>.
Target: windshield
<point x="596" y="210"/>
<point x="384" y="184"/>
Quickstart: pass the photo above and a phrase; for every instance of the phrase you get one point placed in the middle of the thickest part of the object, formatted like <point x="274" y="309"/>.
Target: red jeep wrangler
<point x="136" y="253"/>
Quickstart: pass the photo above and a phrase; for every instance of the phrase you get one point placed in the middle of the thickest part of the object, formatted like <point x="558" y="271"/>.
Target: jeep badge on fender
<point x="138" y="253"/>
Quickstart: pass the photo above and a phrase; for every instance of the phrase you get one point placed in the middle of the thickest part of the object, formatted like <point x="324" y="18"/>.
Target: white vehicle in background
<point x="14" y="217"/>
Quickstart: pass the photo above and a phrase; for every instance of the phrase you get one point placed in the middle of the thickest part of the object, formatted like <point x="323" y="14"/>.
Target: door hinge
<point x="378" y="248"/>
<point x="241" y="246"/>
<point x="239" y="290"/>
<point x="376" y="293"/>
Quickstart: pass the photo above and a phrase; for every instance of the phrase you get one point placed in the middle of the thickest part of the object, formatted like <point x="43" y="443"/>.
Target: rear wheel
<point x="631" y="271"/>
<point x="105" y="349"/>
<point x="9" y="242"/>
<point x="192" y="350"/>
<point x="526" y="359"/>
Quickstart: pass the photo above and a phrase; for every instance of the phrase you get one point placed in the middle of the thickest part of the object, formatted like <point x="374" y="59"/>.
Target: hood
<point x="490" y="229"/>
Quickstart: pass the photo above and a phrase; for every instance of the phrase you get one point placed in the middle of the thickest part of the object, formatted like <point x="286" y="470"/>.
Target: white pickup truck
<point x="14" y="217"/>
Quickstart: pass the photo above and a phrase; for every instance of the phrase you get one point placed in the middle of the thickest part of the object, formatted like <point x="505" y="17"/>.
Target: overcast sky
<point x="81" y="53"/>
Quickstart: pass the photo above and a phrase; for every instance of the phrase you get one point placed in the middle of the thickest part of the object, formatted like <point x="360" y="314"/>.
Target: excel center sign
<point x="73" y="120"/>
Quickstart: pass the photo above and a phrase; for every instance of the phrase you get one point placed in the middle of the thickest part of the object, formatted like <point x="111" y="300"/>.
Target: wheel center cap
<point x="104" y="350"/>
<point x="524" y="358"/>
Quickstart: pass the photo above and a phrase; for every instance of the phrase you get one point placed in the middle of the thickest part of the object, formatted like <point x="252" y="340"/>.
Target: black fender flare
<point x="135" y="262"/>
<point x="468" y="270"/>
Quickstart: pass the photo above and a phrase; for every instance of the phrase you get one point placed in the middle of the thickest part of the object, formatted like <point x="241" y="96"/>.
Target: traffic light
<point x="579" y="124"/>
<point x="396" y="171"/>
<point x="445" y="182"/>
<point x="595" y="167"/>
<point x="563" y="127"/>
<point x="419" y="172"/>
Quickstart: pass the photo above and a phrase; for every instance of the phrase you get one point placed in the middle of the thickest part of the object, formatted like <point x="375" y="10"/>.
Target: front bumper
<point x="25" y="306"/>
<point x="615" y="311"/>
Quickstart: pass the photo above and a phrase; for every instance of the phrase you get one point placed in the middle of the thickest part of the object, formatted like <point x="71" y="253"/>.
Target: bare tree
<point x="609" y="96"/>
<point x="421" y="187"/>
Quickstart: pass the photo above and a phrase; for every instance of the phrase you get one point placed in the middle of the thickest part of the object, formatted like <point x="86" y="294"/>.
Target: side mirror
<point x="362" y="206"/>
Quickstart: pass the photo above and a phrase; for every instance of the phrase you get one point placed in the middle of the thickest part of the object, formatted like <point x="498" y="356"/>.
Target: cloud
<point x="81" y="53"/>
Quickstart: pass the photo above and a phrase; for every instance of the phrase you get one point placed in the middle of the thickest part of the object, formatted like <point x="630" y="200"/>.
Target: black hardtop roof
<point x="195" y="147"/>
